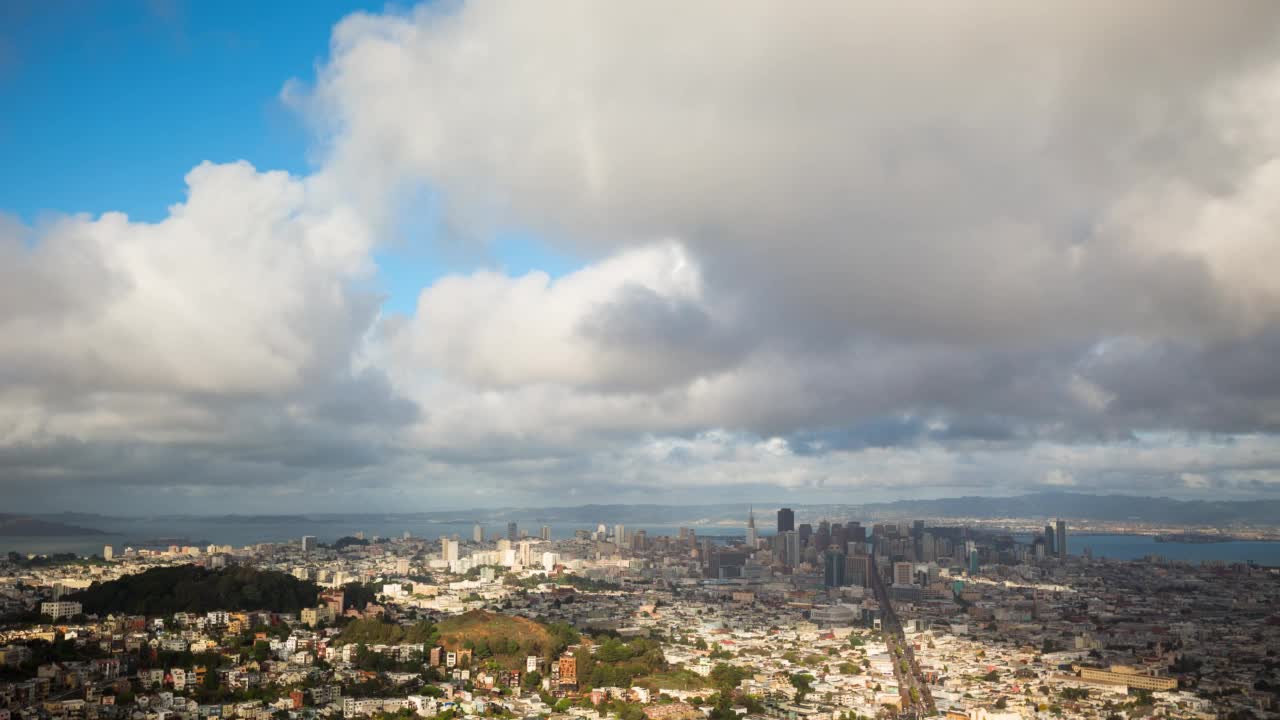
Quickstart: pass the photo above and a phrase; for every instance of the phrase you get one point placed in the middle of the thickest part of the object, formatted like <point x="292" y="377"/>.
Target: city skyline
<point x="340" y="256"/>
<point x="902" y="619"/>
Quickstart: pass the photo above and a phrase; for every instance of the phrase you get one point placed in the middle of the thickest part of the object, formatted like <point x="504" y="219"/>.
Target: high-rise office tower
<point x="805" y="533"/>
<point x="308" y="543"/>
<point x="833" y="569"/>
<point x="545" y="533"/>
<point x="1048" y="540"/>
<point x="513" y="532"/>
<point x="619" y="534"/>
<point x="786" y="520"/>
<point x="857" y="533"/>
<point x="751" y="529"/>
<point x="448" y="550"/>
<point x="903" y="573"/>
<point x="477" y="533"/>
<point x="822" y="538"/>
<point x="857" y="570"/>
<point x="791" y="547"/>
<point x="726" y="563"/>
<point x="1061" y="545"/>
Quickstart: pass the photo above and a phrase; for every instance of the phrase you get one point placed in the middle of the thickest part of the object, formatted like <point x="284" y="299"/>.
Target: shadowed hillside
<point x="188" y="588"/>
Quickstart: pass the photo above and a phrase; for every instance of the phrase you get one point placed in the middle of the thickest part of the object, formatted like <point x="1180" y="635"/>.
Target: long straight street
<point x="917" y="701"/>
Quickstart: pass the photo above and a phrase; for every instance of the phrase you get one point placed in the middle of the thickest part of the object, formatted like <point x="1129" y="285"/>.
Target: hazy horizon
<point x="1093" y="507"/>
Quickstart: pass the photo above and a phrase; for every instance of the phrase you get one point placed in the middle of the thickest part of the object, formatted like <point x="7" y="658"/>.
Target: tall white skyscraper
<point x="448" y="550"/>
<point x="619" y="534"/>
<point x="752" y="538"/>
<point x="108" y="552"/>
<point x="308" y="543"/>
<point x="477" y="533"/>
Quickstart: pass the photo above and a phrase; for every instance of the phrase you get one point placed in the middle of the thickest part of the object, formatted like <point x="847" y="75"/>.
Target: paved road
<point x="901" y="650"/>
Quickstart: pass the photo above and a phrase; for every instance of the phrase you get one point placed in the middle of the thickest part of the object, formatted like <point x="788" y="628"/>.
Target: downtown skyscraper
<point x="786" y="520"/>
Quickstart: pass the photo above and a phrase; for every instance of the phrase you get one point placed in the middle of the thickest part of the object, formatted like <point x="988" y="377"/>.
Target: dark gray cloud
<point x="664" y="340"/>
<point x="1229" y="386"/>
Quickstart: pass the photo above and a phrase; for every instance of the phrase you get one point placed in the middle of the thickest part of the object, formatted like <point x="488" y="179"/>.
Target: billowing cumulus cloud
<point x="638" y="320"/>
<point x="977" y="173"/>
<point x="828" y="250"/>
<point x="243" y="288"/>
<point x="215" y="346"/>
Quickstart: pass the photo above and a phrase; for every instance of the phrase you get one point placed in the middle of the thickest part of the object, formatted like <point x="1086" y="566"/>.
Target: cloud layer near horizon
<point x="855" y="250"/>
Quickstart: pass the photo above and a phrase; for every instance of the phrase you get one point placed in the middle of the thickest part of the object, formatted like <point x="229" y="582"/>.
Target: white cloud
<point x="225" y="331"/>
<point x="637" y="320"/>
<point x="243" y="288"/>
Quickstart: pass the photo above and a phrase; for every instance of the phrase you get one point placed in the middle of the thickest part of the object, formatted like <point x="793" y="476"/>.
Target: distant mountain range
<point x="1071" y="506"/>
<point x="1088" y="507"/>
<point x="27" y="525"/>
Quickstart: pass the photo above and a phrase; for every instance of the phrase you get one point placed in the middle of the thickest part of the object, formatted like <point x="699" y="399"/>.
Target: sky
<point x="334" y="255"/>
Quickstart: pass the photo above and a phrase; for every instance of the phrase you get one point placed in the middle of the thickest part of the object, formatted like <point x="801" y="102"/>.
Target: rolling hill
<point x="505" y="638"/>
<point x="188" y="588"/>
<point x="25" y="525"/>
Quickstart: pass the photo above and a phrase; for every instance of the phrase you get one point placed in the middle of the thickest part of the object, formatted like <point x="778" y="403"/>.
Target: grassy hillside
<point x="499" y="632"/>
<point x="680" y="679"/>
<point x="377" y="632"/>
<point x="494" y="639"/>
